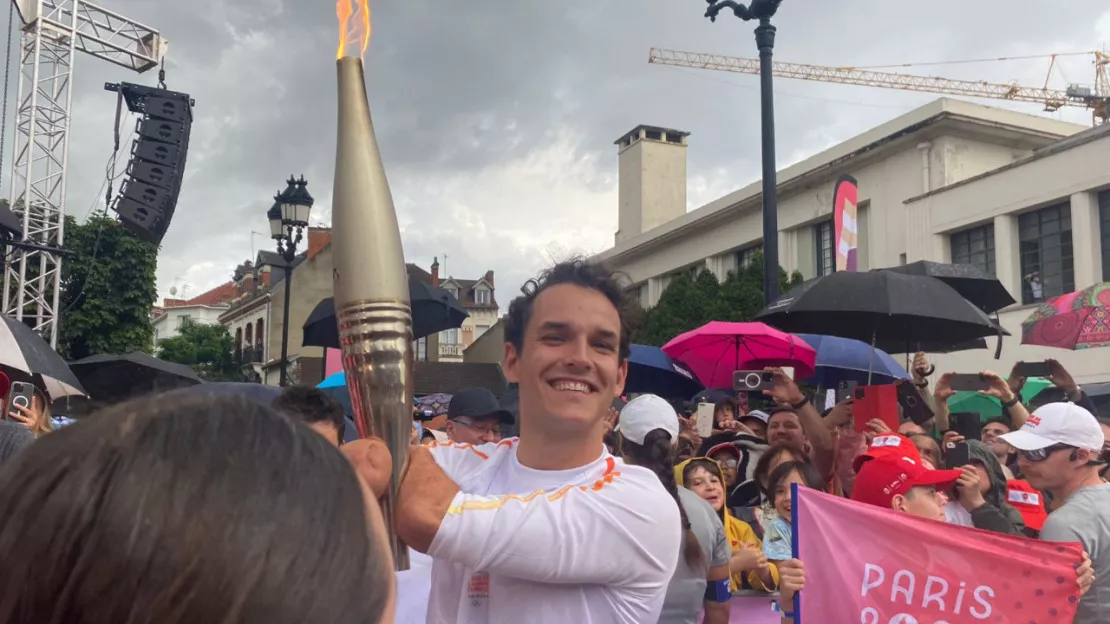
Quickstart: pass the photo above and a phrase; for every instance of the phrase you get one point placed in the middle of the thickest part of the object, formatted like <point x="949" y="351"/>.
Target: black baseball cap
<point x="477" y="403"/>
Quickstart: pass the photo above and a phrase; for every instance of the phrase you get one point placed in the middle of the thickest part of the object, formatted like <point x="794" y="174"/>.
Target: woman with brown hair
<point x="649" y="430"/>
<point x="196" y="510"/>
<point x="37" y="419"/>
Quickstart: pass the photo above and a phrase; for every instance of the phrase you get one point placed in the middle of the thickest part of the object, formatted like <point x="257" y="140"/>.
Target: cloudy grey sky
<point x="496" y="118"/>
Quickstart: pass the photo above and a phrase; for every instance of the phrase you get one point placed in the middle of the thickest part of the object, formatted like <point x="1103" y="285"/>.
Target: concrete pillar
<point x="718" y="266"/>
<point x="655" y="288"/>
<point x="788" y="250"/>
<point x="1085" y="244"/>
<point x="1007" y="254"/>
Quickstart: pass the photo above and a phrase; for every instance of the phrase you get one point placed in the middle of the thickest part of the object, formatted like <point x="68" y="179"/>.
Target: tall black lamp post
<point x="763" y="10"/>
<point x="288" y="218"/>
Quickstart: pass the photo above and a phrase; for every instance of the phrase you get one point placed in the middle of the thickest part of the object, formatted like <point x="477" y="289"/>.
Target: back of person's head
<point x="200" y="509"/>
<point x="648" y="432"/>
<point x="576" y="272"/>
<point x="14" y="437"/>
<point x="313" y="407"/>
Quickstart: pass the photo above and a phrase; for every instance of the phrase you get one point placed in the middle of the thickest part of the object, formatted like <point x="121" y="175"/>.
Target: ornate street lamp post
<point x="763" y="10"/>
<point x="288" y="217"/>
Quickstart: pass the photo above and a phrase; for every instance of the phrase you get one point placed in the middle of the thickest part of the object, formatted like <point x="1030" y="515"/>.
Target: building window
<point x="482" y="296"/>
<point x="184" y="318"/>
<point x="745" y="256"/>
<point x="974" y="247"/>
<point x="479" y="330"/>
<point x="421" y="348"/>
<point x="1104" y="227"/>
<point x="450" y="336"/>
<point x="454" y="291"/>
<point x="1046" y="255"/>
<point x="825" y="259"/>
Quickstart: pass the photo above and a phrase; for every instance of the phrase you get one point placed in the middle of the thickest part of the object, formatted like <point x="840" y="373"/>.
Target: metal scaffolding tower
<point x="52" y="31"/>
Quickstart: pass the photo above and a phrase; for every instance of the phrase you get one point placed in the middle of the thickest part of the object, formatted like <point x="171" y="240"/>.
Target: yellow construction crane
<point x="1096" y="98"/>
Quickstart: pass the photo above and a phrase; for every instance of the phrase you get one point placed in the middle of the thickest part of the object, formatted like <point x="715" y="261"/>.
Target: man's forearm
<point x="425" y="496"/>
<point x="819" y="438"/>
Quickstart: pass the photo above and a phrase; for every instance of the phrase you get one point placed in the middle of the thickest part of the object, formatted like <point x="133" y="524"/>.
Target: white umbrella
<point x="24" y="351"/>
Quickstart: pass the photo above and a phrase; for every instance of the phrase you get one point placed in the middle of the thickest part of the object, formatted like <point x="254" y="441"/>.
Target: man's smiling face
<point x="569" y="369"/>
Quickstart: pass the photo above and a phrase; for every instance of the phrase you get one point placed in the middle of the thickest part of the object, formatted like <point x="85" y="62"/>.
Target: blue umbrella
<point x="651" y="370"/>
<point x="334" y="380"/>
<point x="844" y="359"/>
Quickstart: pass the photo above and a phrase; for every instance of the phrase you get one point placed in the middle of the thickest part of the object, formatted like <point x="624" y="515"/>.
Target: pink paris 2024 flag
<point x="871" y="565"/>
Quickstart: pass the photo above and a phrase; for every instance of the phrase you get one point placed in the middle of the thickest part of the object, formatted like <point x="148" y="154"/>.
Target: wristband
<point x="800" y="404"/>
<point x="718" y="591"/>
<point x="1012" y="402"/>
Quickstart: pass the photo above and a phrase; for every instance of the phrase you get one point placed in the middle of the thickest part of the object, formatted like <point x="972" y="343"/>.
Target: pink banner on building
<point x="873" y="566"/>
<point x="333" y="362"/>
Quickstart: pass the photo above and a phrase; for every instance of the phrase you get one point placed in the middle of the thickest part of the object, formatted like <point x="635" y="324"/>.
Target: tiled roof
<point x="217" y="296"/>
<point x="450" y="377"/>
<point x="466" y="292"/>
<point x="418" y="273"/>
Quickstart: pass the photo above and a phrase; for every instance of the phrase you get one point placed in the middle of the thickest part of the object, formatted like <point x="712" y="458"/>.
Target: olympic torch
<point x="371" y="284"/>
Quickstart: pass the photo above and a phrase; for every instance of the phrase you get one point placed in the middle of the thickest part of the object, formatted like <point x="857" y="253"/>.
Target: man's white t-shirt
<point x="593" y="545"/>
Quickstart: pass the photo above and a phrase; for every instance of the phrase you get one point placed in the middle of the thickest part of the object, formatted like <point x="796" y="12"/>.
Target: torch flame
<point x="354" y="25"/>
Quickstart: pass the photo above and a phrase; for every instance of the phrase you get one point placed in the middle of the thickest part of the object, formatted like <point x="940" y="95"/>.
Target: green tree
<point x="205" y="348"/>
<point x="689" y="302"/>
<point x="742" y="291"/>
<point x="108" y="289"/>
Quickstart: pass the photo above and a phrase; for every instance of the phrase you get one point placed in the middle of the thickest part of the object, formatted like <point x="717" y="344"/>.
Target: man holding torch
<point x="549" y="527"/>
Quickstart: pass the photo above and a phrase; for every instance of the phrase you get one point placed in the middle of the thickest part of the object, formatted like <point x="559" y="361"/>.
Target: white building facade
<point x="169" y="322"/>
<point x="929" y="181"/>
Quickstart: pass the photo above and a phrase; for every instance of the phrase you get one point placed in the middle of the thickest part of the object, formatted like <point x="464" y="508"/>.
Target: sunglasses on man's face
<point x="1040" y="455"/>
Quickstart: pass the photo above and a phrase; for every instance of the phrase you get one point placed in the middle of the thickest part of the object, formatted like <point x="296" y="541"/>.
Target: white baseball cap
<point x="1057" y="423"/>
<point x="645" y="414"/>
<point x="759" y="415"/>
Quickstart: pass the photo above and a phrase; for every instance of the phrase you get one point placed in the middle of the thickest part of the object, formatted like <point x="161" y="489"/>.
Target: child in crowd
<point x="778" y="534"/>
<point x="749" y="568"/>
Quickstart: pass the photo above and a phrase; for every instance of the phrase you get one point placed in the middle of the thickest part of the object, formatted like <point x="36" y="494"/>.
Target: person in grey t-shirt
<point x="14" y="437"/>
<point x="686" y="592"/>
<point x="1058" y="449"/>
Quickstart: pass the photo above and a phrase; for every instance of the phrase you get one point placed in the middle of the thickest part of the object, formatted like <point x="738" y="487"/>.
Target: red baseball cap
<point x="1028" y="501"/>
<point x="882" y="477"/>
<point x="887" y="445"/>
<point x="727" y="447"/>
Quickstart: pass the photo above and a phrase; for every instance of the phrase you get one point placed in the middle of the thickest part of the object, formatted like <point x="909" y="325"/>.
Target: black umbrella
<point x="977" y="286"/>
<point x="117" y="377"/>
<point x="433" y="310"/>
<point x="253" y="391"/>
<point x="23" y="353"/>
<point x="930" y="346"/>
<point x="878" y="307"/>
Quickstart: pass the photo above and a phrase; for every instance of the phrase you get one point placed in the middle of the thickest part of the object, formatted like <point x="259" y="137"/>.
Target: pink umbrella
<point x="717" y="349"/>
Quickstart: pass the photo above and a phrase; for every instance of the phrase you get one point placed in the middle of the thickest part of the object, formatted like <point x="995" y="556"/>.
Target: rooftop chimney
<point x="318" y="239"/>
<point x="651" y="164"/>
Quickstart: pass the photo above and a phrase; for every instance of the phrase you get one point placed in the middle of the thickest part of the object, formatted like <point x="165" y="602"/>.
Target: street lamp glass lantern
<point x="296" y="203"/>
<point x="277" y="226"/>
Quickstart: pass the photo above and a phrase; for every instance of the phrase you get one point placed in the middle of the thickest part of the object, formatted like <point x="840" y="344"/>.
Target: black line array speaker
<point x="148" y="196"/>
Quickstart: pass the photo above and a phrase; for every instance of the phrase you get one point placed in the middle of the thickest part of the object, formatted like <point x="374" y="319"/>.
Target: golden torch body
<point x="371" y="286"/>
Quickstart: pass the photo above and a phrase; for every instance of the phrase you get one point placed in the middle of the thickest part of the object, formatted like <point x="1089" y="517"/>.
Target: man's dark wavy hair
<point x="579" y="272"/>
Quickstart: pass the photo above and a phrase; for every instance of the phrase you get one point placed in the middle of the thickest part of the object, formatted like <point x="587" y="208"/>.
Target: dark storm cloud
<point x="474" y="100"/>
